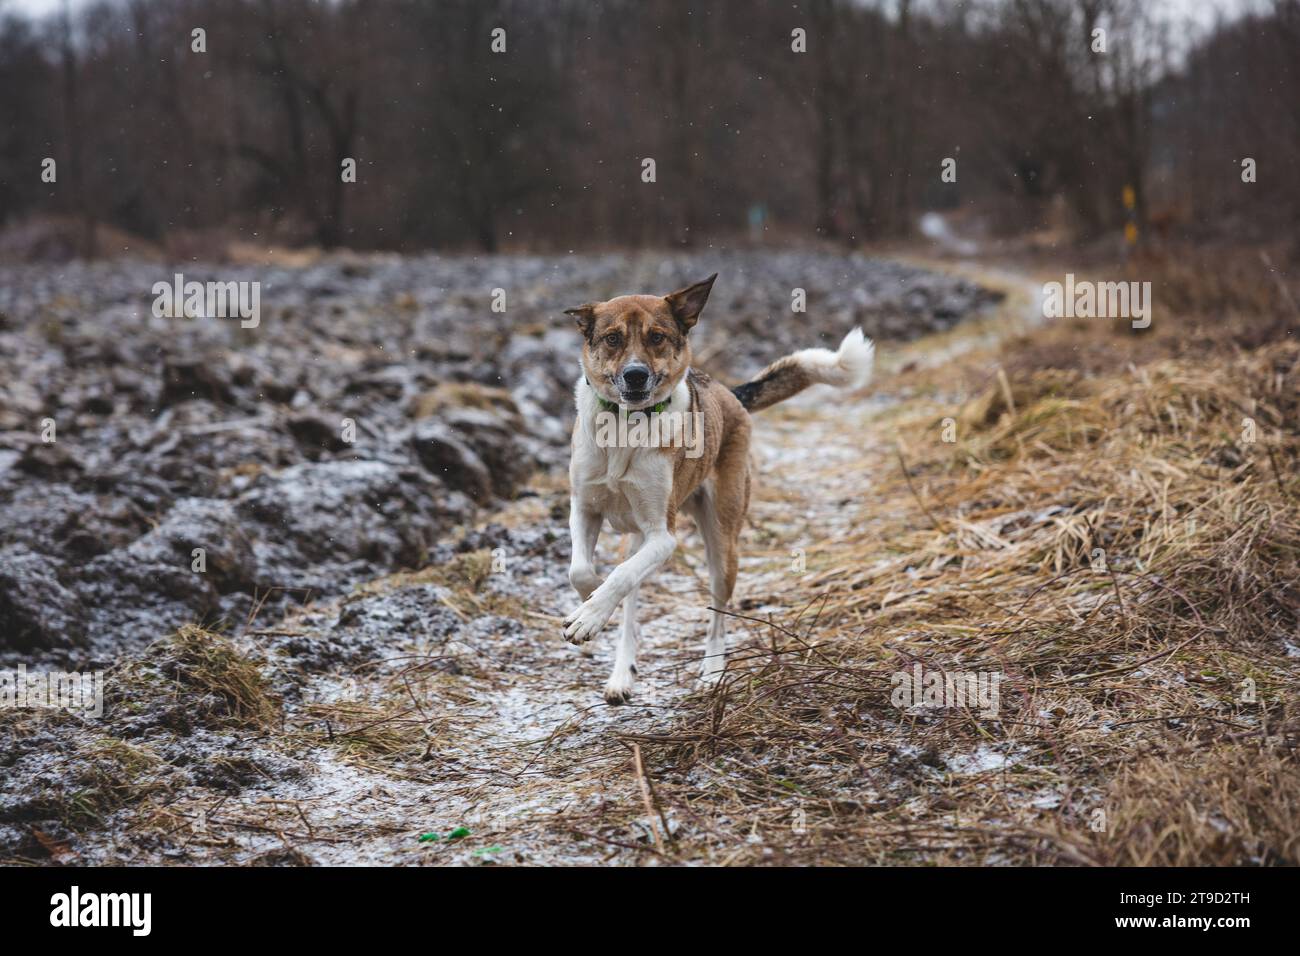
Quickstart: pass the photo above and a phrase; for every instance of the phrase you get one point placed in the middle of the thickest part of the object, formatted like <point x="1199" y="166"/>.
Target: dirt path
<point x="518" y="737"/>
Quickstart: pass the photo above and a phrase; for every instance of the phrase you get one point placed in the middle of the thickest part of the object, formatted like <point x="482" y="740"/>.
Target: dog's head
<point x="636" y="347"/>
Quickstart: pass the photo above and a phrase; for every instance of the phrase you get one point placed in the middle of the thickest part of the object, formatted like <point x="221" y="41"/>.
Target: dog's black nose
<point x="635" y="377"/>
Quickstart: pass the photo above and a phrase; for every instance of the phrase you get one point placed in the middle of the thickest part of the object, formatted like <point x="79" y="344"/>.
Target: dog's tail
<point x="849" y="367"/>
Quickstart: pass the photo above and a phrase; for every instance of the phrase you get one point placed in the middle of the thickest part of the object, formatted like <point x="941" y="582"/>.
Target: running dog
<point x="636" y="361"/>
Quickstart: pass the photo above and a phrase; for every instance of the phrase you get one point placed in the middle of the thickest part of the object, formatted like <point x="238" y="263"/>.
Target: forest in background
<point x="542" y="146"/>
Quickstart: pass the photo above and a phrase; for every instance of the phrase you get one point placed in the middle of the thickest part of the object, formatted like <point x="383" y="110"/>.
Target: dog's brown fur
<point x="711" y="482"/>
<point x="654" y="329"/>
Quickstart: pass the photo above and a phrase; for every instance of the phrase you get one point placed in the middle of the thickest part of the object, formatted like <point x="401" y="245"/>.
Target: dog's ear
<point x="585" y="315"/>
<point x="689" y="302"/>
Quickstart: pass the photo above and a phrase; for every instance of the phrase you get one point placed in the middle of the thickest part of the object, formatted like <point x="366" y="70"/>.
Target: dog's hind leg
<point x="618" y="690"/>
<point x="720" y="550"/>
<point x="720" y="512"/>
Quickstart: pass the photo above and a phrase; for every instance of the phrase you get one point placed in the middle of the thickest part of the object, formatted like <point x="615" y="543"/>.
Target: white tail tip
<point x="855" y="358"/>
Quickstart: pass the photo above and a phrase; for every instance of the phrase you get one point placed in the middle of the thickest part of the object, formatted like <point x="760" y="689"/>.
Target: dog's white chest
<point x="628" y="482"/>
<point x="626" y="485"/>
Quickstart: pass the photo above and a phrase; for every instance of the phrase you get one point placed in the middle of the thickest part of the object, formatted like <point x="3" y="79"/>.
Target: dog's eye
<point x="657" y="338"/>
<point x="612" y="339"/>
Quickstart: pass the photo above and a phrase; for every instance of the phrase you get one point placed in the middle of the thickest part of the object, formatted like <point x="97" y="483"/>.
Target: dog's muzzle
<point x="634" y="382"/>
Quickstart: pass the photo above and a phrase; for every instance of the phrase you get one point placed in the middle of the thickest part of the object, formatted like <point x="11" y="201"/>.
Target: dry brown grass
<point x="465" y="578"/>
<point x="462" y="395"/>
<point x="114" y="774"/>
<point x="220" y="682"/>
<point x="1221" y="805"/>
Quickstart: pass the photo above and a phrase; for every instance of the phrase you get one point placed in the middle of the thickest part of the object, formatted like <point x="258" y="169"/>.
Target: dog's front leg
<point x="592" y="615"/>
<point x="584" y="529"/>
<point x="618" y="689"/>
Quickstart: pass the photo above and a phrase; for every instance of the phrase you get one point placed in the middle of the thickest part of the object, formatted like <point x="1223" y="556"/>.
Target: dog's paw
<point x="586" y="622"/>
<point x="618" y="691"/>
<point x="584" y="582"/>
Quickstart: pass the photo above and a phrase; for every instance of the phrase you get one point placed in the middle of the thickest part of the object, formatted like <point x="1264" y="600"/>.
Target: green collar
<point x="609" y="406"/>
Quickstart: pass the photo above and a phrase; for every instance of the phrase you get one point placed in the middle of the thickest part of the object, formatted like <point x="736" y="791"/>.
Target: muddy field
<point x="369" y="656"/>
<point x="175" y="434"/>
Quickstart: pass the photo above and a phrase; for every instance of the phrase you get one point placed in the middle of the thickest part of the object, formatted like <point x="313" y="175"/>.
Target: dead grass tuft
<point x="1226" y="805"/>
<point x="462" y="395"/>
<point x="466" y="577"/>
<point x="113" y="775"/>
<point x="228" y="683"/>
